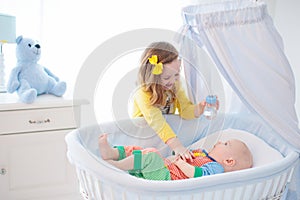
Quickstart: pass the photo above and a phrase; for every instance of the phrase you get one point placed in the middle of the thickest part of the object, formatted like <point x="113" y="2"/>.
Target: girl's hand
<point x="177" y="160"/>
<point x="179" y="149"/>
<point x="183" y="153"/>
<point x="218" y="103"/>
<point x="199" y="109"/>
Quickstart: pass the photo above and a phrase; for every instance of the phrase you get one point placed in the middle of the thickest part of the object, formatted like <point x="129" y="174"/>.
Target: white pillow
<point x="262" y="152"/>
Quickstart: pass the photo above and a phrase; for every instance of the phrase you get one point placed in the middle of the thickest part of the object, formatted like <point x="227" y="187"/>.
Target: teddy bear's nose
<point x="37" y="46"/>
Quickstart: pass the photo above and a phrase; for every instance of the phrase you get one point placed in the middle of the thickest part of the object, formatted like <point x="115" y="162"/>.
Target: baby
<point x="147" y="163"/>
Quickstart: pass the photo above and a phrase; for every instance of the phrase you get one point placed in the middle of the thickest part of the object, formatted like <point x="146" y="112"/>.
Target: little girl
<point x="161" y="93"/>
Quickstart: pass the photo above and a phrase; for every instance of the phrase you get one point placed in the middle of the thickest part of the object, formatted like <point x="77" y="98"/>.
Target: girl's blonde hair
<point x="166" y="53"/>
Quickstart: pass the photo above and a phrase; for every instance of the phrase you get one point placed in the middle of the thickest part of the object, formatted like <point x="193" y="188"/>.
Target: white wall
<point x="83" y="25"/>
<point x="28" y="22"/>
<point x="70" y="30"/>
<point x="286" y="19"/>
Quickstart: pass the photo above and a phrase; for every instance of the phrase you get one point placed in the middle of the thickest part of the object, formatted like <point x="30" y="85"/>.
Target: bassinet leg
<point x="83" y="193"/>
<point x="82" y="184"/>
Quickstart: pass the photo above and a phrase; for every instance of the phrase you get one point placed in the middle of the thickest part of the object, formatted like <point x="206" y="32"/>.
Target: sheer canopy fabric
<point x="243" y="43"/>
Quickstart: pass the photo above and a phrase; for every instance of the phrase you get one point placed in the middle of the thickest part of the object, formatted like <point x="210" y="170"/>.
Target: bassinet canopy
<point x="243" y="43"/>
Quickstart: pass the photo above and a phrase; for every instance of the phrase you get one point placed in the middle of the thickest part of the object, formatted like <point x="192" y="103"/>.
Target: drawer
<point x="31" y="120"/>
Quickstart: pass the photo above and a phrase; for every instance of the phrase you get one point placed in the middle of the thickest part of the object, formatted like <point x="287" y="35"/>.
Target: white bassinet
<point x="268" y="179"/>
<point x="243" y="43"/>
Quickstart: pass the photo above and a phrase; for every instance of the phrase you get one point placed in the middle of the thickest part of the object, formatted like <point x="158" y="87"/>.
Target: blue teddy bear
<point x="29" y="78"/>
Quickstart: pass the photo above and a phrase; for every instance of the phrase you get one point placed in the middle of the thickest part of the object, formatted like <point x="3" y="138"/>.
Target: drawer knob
<point x="39" y="121"/>
<point x="3" y="171"/>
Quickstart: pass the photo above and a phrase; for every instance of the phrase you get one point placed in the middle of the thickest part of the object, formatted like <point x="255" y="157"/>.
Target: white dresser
<point x="33" y="162"/>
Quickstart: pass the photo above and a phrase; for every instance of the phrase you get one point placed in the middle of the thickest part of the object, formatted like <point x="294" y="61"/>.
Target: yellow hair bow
<point x="158" y="67"/>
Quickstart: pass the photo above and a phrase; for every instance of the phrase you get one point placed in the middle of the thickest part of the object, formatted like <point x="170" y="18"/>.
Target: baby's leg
<point x="124" y="164"/>
<point x="106" y="151"/>
<point x="150" y="166"/>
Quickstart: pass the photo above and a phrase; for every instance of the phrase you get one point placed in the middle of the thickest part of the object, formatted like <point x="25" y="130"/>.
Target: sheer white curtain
<point x="249" y="54"/>
<point x="248" y="51"/>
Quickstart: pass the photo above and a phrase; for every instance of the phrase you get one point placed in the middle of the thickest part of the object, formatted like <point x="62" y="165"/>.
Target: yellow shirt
<point x="153" y="115"/>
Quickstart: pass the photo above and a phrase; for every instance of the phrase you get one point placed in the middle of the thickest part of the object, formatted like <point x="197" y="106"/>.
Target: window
<point x="70" y="30"/>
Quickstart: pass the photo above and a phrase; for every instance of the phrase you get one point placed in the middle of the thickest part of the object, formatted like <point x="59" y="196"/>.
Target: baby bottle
<point x="210" y="110"/>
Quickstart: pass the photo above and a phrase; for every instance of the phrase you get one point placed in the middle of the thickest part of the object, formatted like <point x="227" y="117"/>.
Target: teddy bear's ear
<point x="18" y="40"/>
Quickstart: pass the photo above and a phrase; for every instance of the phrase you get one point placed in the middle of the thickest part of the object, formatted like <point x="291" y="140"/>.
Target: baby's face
<point x="232" y="154"/>
<point x="227" y="149"/>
